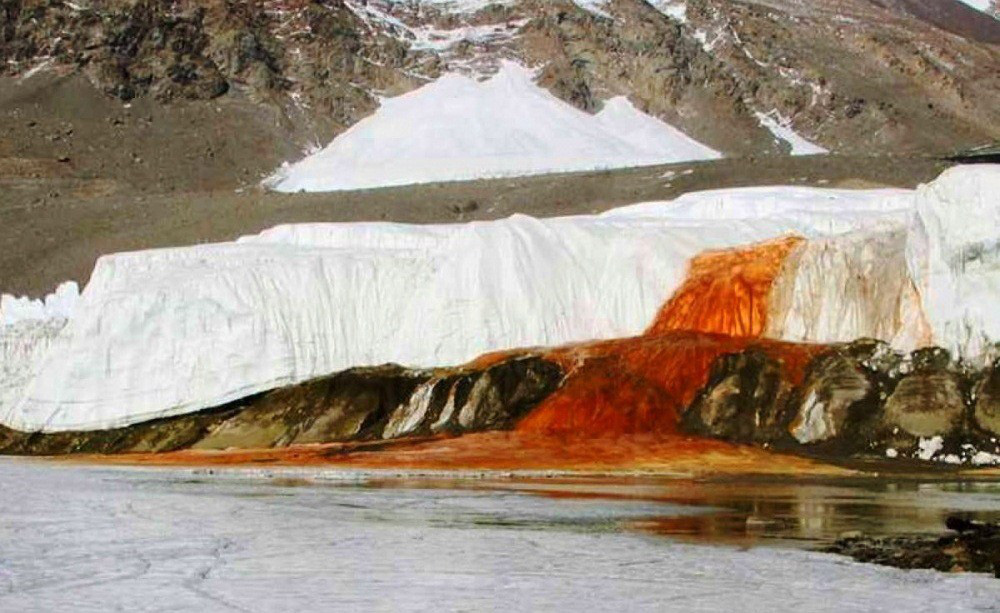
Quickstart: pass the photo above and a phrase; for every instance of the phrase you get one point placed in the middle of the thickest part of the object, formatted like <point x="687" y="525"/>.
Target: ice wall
<point x="170" y="331"/>
<point x="57" y="305"/>
<point x="953" y="252"/>
<point x="847" y="287"/>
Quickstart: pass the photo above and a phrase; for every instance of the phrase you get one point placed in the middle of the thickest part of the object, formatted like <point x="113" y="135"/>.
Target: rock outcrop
<point x="986" y="413"/>
<point x="857" y="399"/>
<point x="837" y="391"/>
<point x="362" y="404"/>
<point x="744" y="401"/>
<point x="928" y="402"/>
<point x="968" y="547"/>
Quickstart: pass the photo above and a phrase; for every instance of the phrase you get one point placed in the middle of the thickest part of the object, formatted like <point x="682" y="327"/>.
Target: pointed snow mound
<point x="458" y="129"/>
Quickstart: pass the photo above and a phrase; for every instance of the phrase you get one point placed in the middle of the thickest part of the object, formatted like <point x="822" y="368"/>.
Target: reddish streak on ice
<point x="726" y="292"/>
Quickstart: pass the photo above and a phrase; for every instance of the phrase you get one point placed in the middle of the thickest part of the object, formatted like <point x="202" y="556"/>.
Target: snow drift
<point x="456" y="129"/>
<point x="169" y="331"/>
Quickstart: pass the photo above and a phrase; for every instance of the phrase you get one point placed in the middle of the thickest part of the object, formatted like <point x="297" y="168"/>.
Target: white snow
<point x="929" y="447"/>
<point x="169" y="331"/>
<point x="458" y="6"/>
<point x="675" y="9"/>
<point x="782" y="130"/>
<point x="979" y="5"/>
<point x="985" y="458"/>
<point x="457" y="128"/>
<point x="59" y="304"/>
<point x="438" y="39"/>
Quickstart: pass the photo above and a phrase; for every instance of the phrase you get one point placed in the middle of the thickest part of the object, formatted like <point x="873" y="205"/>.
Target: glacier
<point x="164" y="332"/>
<point x="457" y="128"/>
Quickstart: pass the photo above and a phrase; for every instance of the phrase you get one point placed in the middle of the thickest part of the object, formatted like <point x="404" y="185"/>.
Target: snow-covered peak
<point x="458" y="128"/>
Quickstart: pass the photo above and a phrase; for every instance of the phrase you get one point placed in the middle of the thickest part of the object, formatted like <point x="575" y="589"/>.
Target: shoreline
<point x="510" y="455"/>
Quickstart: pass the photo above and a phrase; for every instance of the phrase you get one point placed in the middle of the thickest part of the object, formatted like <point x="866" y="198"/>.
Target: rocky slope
<point x="276" y="77"/>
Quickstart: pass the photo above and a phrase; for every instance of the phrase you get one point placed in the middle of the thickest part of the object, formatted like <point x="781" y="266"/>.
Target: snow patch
<point x="984" y="458"/>
<point x="674" y="9"/>
<point x="927" y="448"/>
<point x="979" y="5"/>
<point x="456" y="129"/>
<point x="782" y="130"/>
<point x="459" y="6"/>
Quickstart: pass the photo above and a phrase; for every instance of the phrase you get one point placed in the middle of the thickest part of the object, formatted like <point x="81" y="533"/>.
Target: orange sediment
<point x="641" y="385"/>
<point x="508" y="451"/>
<point x="726" y="292"/>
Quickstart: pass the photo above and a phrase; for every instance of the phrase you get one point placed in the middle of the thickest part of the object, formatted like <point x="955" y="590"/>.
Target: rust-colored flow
<point x="640" y="385"/>
<point x="726" y="292"/>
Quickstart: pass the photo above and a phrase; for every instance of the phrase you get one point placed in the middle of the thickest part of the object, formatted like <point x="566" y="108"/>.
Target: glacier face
<point x="170" y="331"/>
<point x="953" y="250"/>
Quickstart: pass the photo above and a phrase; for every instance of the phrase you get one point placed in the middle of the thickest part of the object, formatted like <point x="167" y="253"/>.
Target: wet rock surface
<point x="968" y="547"/>
<point x="361" y="404"/>
<point x="856" y="400"/>
<point x="744" y="400"/>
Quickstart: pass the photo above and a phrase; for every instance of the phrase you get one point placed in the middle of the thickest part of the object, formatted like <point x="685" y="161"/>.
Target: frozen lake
<point x="103" y="539"/>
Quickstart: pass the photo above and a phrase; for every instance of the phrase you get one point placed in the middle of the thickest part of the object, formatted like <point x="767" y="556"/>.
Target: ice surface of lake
<point x="102" y="539"/>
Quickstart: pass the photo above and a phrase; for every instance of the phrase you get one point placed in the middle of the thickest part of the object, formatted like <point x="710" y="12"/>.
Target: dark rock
<point x="986" y="411"/>
<point x="492" y="399"/>
<point x="836" y="393"/>
<point x="972" y="547"/>
<point x="744" y="400"/>
<point x="345" y="406"/>
<point x="357" y="404"/>
<point x="929" y="402"/>
<point x="856" y="399"/>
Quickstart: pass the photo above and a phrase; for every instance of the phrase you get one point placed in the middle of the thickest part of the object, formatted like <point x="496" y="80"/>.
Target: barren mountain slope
<point x="273" y="78"/>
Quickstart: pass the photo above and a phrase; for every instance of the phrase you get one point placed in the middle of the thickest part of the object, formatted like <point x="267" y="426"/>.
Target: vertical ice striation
<point x="953" y="251"/>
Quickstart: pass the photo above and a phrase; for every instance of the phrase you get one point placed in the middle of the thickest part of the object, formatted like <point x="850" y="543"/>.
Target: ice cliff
<point x="166" y="332"/>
